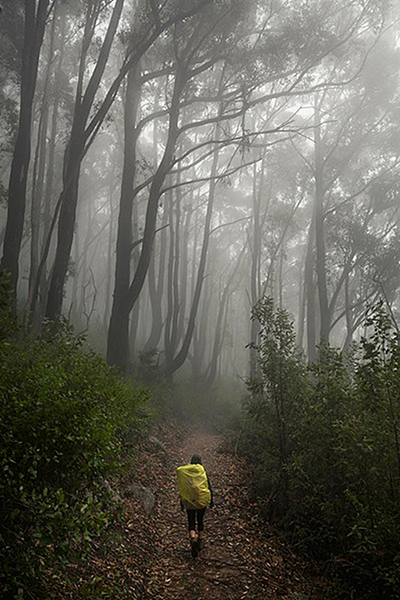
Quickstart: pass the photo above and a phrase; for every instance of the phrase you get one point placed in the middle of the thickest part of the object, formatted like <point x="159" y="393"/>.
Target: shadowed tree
<point x="35" y="15"/>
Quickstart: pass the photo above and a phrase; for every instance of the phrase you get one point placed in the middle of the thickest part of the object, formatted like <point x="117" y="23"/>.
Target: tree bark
<point x="118" y="331"/>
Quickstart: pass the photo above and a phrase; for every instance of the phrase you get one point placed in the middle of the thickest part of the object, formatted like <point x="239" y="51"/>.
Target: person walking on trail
<point x="196" y="495"/>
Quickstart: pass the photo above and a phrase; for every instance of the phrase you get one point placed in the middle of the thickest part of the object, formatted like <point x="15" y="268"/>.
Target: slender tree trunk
<point x="185" y="265"/>
<point x="349" y="315"/>
<point x="156" y="288"/>
<point x="118" y="332"/>
<point x="302" y="307"/>
<point x="40" y="168"/>
<point x="110" y="248"/>
<point x="169" y="341"/>
<point x="309" y="288"/>
<point x="320" y="252"/>
<point x="37" y="194"/>
<point x="181" y="356"/>
<point x="255" y="248"/>
<point x="211" y="372"/>
<point x="156" y="272"/>
<point x="41" y="283"/>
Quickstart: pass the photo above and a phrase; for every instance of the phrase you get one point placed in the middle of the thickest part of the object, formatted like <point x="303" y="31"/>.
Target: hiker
<point x="195" y="507"/>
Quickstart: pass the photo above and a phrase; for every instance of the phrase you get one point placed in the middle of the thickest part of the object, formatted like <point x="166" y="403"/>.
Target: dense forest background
<point x="177" y="177"/>
<point x="165" y="165"/>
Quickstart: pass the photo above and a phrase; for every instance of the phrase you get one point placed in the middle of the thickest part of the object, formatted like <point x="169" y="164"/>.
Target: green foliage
<point x="277" y="390"/>
<point x="65" y="419"/>
<point x="8" y="324"/>
<point x="328" y="455"/>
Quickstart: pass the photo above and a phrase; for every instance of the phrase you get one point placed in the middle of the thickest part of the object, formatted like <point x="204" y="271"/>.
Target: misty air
<point x="200" y="299"/>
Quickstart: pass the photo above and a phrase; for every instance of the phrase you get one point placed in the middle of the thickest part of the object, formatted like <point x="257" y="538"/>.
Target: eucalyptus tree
<point x="252" y="62"/>
<point x="197" y="46"/>
<point x="345" y="155"/>
<point x="338" y="34"/>
<point x="36" y="14"/>
<point x="92" y="105"/>
<point x="80" y="135"/>
<point x="11" y="45"/>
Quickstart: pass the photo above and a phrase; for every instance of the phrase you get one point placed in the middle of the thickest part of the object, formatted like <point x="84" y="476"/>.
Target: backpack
<point x="193" y="487"/>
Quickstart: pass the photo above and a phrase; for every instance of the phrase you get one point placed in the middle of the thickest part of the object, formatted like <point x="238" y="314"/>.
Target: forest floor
<point x="242" y="557"/>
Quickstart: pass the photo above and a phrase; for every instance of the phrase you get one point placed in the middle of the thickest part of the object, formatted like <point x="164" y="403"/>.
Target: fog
<point x="164" y="165"/>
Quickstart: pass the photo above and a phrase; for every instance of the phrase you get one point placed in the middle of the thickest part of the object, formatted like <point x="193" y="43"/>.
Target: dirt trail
<point x="239" y="560"/>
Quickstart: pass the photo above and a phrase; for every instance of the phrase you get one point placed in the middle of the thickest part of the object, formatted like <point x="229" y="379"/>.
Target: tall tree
<point x="36" y="14"/>
<point x="77" y="146"/>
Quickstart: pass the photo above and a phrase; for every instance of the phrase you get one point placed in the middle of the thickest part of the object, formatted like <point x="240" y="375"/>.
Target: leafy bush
<point x="276" y="392"/>
<point x="8" y="323"/>
<point x="65" y="418"/>
<point x="329" y="455"/>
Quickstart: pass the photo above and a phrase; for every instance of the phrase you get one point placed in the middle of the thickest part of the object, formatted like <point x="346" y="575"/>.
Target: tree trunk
<point x="156" y="288"/>
<point x="309" y="290"/>
<point x="75" y="152"/>
<point x="118" y="331"/>
<point x="255" y="249"/>
<point x="181" y="356"/>
<point x="211" y="372"/>
<point x="170" y="333"/>
<point x="320" y="252"/>
<point x="156" y="272"/>
<point x="117" y="344"/>
<point x="40" y="168"/>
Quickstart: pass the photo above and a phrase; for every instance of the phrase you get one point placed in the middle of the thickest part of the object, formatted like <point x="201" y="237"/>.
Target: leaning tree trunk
<point x="74" y="154"/>
<point x="40" y="167"/>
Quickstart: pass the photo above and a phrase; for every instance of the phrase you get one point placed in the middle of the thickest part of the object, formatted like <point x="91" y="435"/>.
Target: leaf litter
<point x="243" y="558"/>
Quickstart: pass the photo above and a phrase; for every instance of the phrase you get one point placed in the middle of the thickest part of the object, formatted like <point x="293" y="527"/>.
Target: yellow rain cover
<point x="193" y="486"/>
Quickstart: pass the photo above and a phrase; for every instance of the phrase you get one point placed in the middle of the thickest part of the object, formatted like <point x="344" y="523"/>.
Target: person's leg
<point x="192" y="530"/>
<point x="192" y="523"/>
<point x="200" y="527"/>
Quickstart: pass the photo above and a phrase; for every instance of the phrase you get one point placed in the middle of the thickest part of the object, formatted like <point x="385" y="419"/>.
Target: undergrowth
<point x="324" y="441"/>
<point x="67" y="421"/>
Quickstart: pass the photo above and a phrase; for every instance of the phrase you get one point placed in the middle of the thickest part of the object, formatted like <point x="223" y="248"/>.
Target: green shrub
<point x="326" y="450"/>
<point x="8" y="323"/>
<point x="277" y="391"/>
<point x="65" y="418"/>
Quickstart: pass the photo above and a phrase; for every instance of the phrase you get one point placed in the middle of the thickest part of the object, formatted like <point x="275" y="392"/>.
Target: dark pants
<point x="194" y="515"/>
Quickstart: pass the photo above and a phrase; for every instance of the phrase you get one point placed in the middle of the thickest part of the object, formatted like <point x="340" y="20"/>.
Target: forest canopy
<point x="166" y="164"/>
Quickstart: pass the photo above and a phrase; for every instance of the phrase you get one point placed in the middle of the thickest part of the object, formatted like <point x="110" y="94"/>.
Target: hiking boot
<point x="199" y="544"/>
